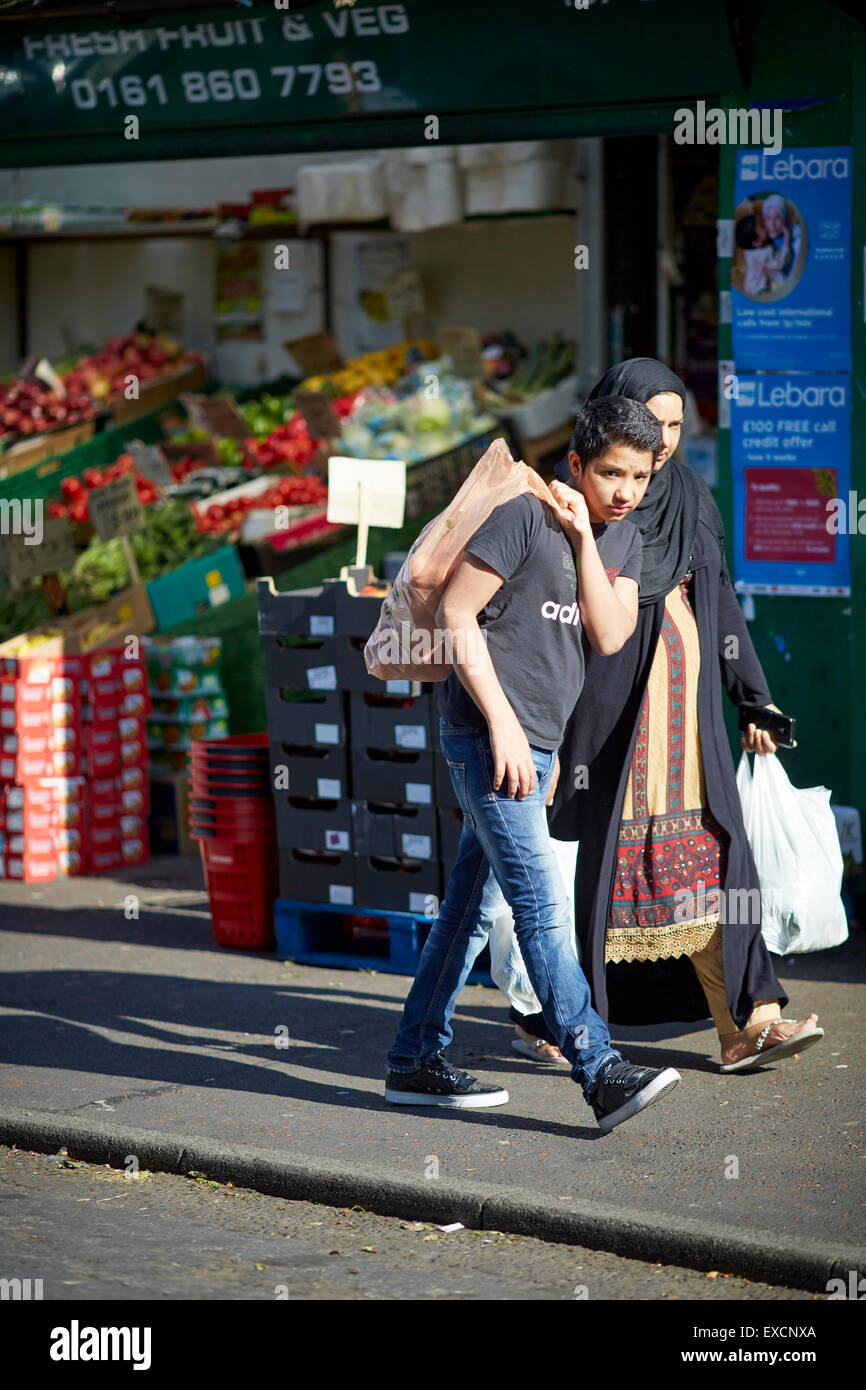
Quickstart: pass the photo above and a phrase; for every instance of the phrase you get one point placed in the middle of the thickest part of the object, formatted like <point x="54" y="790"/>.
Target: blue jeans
<point x="510" y="837"/>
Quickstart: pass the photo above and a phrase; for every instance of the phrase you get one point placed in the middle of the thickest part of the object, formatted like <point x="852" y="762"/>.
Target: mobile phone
<point x="781" y="727"/>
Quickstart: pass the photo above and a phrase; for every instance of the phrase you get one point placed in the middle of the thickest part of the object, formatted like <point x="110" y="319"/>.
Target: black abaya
<point x="601" y="737"/>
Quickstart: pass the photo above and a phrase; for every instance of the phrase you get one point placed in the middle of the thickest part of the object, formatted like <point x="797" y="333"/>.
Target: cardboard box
<point x="393" y="722"/>
<point x="317" y="718"/>
<point x="402" y="831"/>
<point x="45" y="446"/>
<point x="127" y="613"/>
<point x="317" y="877"/>
<point x="23" y="767"/>
<point x="313" y="823"/>
<point x="48" y="714"/>
<point x="383" y="883"/>
<point x="160" y="391"/>
<point x="312" y="771"/>
<point x="396" y="776"/>
<point x="196" y="587"/>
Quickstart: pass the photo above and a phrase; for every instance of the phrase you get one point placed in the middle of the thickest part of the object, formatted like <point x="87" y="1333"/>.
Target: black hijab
<point x="676" y="499"/>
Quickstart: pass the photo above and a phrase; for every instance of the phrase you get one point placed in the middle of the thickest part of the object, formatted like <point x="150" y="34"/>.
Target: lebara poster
<point x="790" y="455"/>
<point x="791" y="269"/>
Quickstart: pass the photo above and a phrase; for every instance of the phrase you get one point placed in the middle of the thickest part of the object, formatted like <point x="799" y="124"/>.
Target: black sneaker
<point x="438" y="1083"/>
<point x="623" y="1090"/>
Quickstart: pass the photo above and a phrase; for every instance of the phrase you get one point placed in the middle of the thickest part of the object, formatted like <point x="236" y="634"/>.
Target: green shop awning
<point x="266" y="80"/>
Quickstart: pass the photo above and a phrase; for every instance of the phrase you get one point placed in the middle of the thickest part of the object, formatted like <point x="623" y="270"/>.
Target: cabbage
<point x="357" y="441"/>
<point x="422" y="415"/>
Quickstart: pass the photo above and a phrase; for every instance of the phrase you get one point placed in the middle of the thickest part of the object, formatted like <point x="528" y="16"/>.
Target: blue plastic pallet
<point x="310" y="933"/>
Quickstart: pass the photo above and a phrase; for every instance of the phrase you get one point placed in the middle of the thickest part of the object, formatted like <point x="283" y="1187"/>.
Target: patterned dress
<point x="670" y="860"/>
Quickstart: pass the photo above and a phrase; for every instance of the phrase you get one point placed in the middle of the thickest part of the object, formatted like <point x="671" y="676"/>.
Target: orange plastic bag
<point x="407" y="645"/>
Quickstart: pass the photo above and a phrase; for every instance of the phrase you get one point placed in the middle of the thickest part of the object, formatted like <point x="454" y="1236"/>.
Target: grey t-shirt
<point x="532" y="624"/>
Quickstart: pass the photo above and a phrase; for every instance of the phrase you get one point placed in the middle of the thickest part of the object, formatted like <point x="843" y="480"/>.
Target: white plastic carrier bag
<point x="795" y="842"/>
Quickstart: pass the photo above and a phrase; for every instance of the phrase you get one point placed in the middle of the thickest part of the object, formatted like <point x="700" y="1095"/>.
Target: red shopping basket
<point x="242" y="880"/>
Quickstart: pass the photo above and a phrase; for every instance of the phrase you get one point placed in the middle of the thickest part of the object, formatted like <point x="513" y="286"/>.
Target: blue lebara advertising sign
<point x="791" y="268"/>
<point x="791" y="460"/>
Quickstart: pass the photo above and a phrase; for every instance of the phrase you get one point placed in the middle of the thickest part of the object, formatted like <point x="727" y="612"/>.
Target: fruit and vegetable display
<point x="168" y="539"/>
<point x="428" y="412"/>
<point x="29" y="408"/>
<point x="380" y="368"/>
<point x="219" y="517"/>
<point x="513" y="376"/>
<point x="75" y="491"/>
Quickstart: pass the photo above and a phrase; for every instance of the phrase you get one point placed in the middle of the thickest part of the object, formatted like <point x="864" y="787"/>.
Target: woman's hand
<point x="757" y="740"/>
<point x="512" y="758"/>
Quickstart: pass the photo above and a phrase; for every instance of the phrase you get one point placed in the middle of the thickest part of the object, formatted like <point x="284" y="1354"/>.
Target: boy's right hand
<point x="572" y="504"/>
<point x="512" y="759"/>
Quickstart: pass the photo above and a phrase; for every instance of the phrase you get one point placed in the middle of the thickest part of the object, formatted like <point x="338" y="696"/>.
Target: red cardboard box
<point x="133" y="776"/>
<point x="134" y="801"/>
<point x="22" y="767"/>
<point x="30" y="707"/>
<point x="103" y="861"/>
<point x="31" y="868"/>
<point x="135" y="851"/>
<point x="136" y="703"/>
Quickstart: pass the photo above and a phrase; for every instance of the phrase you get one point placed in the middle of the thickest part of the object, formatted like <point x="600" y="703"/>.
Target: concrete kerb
<point x="661" y="1237"/>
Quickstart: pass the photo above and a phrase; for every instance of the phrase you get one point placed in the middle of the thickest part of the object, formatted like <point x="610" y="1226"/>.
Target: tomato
<point x="93" y="477"/>
<point x="71" y="488"/>
<point x="216" y="513"/>
<point x="78" y="511"/>
<point x="57" y="509"/>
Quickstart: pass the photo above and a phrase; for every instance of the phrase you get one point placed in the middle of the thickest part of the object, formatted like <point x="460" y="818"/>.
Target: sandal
<point x="807" y="1037"/>
<point x="531" y="1049"/>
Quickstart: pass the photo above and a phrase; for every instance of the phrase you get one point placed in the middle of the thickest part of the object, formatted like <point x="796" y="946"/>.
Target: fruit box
<point x="195" y="588"/>
<point x="127" y="612"/>
<point x="159" y="392"/>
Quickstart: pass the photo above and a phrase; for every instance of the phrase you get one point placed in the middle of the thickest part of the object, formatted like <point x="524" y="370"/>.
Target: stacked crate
<point x="352" y="759"/>
<point x="73" y="764"/>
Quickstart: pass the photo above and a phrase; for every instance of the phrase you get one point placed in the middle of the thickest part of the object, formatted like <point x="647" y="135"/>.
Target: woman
<point x="667" y="899"/>
<point x="784" y="237"/>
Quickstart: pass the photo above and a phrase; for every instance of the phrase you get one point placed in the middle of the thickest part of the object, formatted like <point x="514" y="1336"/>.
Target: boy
<point x="502" y="719"/>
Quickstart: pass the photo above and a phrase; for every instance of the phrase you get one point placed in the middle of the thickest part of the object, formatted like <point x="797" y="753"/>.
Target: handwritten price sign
<point x="115" y="509"/>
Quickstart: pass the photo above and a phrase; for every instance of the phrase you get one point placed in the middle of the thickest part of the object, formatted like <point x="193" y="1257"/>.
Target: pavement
<point x="139" y="1041"/>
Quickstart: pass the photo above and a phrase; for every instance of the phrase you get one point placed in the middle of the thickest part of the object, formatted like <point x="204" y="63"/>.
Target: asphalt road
<point x="91" y="1233"/>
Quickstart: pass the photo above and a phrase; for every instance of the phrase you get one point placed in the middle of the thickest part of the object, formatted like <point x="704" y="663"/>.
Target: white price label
<point x="417" y="846"/>
<point x="321" y="625"/>
<point x="419" y="793"/>
<point x="327" y="733"/>
<point x="337" y="839"/>
<point x="398" y="687"/>
<point x="341" y="895"/>
<point x="418" y="902"/>
<point x="322" y="678"/>
<point x="329" y="788"/>
<point x="410" y="735"/>
<point x="220" y="593"/>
